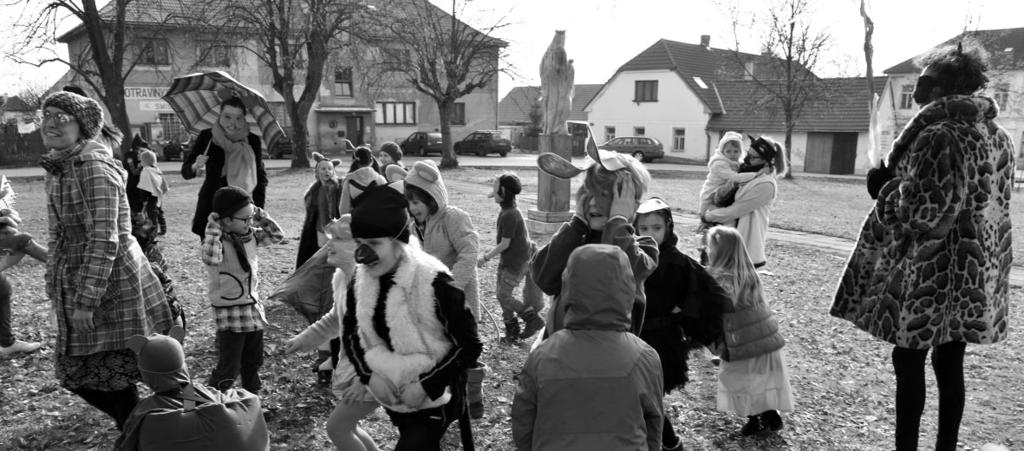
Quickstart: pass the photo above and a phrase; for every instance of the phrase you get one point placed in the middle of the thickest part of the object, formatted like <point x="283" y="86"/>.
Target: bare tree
<point x="438" y="54"/>
<point x="33" y="94"/>
<point x="109" y="55"/>
<point x="788" y="79"/>
<point x="295" y="39"/>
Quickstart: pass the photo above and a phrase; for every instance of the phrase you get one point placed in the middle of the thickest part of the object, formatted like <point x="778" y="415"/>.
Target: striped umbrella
<point x="196" y="99"/>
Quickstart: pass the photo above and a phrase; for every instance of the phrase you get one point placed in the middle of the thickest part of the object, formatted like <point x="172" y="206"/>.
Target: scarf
<point x="238" y="242"/>
<point x="53" y="161"/>
<point x="239" y="159"/>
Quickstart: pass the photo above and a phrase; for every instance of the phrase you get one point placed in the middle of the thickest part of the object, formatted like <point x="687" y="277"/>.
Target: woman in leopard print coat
<point x="931" y="267"/>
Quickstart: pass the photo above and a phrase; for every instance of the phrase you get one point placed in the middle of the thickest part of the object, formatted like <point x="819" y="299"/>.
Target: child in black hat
<point x="233" y="230"/>
<point x="406" y="329"/>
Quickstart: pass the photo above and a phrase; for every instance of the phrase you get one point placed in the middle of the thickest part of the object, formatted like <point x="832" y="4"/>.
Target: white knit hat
<point x="425" y="176"/>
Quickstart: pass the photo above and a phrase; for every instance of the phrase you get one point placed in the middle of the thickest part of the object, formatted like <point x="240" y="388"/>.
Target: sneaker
<point x="772" y="420"/>
<point x="20" y="346"/>
<point x="755" y="425"/>
<point x="534" y="324"/>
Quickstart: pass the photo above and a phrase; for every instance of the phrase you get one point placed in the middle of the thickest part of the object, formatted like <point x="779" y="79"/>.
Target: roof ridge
<point x="671" y="59"/>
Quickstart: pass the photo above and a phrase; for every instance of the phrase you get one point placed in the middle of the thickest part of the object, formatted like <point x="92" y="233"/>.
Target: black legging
<point x="948" y="363"/>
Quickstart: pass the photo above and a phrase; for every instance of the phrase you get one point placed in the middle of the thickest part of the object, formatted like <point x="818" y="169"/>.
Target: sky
<point x="601" y="35"/>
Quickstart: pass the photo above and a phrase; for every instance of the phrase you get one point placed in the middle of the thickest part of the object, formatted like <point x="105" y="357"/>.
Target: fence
<point x="17" y="150"/>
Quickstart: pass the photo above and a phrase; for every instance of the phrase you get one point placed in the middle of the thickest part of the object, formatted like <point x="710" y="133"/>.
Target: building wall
<point x="1011" y="113"/>
<point x="146" y="84"/>
<point x="677" y="107"/>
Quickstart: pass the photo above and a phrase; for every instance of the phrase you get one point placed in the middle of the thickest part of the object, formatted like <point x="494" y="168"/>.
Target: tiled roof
<point x="1006" y="47"/>
<point x="701" y="67"/>
<point x="14" y="103"/>
<point x="515" y="106"/>
<point x="748" y="108"/>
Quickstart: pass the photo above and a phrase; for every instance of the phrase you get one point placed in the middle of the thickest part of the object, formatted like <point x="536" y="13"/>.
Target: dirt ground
<point x="842" y="378"/>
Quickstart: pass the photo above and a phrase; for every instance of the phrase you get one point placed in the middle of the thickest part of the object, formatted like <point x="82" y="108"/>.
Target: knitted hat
<point x="730" y="137"/>
<point x="425" y="176"/>
<point x="87" y="112"/>
<point x="392" y="150"/>
<point x="229" y="199"/>
<point x="381" y="212"/>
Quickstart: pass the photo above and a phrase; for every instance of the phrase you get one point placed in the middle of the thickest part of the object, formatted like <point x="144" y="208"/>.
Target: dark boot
<point x="755" y="425"/>
<point x="117" y="404"/>
<point x="772" y="420"/>
<point x="475" y="390"/>
<point x="534" y="323"/>
<point x="511" y="331"/>
<point x="161" y="221"/>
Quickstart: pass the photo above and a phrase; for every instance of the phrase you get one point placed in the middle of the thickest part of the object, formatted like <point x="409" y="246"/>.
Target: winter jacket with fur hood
<point x="419" y="330"/>
<point x="932" y="263"/>
<point x="593" y="385"/>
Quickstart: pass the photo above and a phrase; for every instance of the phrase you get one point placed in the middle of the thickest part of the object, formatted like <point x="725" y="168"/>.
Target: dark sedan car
<point x="483" y="142"/>
<point x="643" y="148"/>
<point x="421" y="143"/>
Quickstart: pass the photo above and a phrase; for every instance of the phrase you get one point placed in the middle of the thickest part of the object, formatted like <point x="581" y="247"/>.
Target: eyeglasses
<point x="245" y="219"/>
<point x="60" y="118"/>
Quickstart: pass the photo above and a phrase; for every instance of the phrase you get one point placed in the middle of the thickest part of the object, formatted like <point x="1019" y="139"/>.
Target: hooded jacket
<point x="549" y="263"/>
<point x="932" y="262"/>
<point x="721" y="172"/>
<point x="593" y="385"/>
<point x="95" y="263"/>
<point x="684" y="302"/>
<point x="450" y="236"/>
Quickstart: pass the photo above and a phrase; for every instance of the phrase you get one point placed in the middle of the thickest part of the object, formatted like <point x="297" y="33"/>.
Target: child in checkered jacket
<point x="233" y="230"/>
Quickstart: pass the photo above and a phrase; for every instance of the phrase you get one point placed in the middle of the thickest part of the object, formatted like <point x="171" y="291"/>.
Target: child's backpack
<point x="185" y="416"/>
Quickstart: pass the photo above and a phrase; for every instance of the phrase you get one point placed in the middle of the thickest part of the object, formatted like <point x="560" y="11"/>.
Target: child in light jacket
<point x="234" y="229"/>
<point x="723" y="173"/>
<point x="152" y="189"/>
<point x="753" y="379"/>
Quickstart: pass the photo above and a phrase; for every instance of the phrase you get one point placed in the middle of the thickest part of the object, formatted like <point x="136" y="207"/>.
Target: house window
<point x="343" y="82"/>
<point x="212" y="54"/>
<point x="1002" y="96"/>
<point x="678" y="138"/>
<point x="646" y="91"/>
<point x="609" y="133"/>
<point x="907" y="97"/>
<point x="459" y="113"/>
<point x="395" y="59"/>
<point x="396" y="113"/>
<point x="639" y="131"/>
<point x="153" y="51"/>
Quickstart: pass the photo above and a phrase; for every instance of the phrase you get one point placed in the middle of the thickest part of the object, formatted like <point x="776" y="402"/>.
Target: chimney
<point x="705" y="40"/>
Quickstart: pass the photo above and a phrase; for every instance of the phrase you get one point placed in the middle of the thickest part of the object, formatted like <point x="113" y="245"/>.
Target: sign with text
<point x="145" y="92"/>
<point x="154" y="105"/>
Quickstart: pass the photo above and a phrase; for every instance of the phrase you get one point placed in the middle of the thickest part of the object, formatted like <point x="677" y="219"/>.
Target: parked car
<point x="483" y="142"/>
<point x="173" y="151"/>
<point x="643" y="148"/>
<point x="421" y="143"/>
<point x="282" y="147"/>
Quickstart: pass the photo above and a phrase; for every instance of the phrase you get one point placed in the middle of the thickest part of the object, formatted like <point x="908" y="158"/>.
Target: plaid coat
<point x="95" y="264"/>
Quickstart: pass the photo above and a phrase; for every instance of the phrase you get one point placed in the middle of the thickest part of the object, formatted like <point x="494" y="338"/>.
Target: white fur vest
<point x="416" y="334"/>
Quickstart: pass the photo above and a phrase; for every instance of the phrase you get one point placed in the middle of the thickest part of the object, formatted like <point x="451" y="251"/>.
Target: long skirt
<point x="103" y="371"/>
<point x="751" y="386"/>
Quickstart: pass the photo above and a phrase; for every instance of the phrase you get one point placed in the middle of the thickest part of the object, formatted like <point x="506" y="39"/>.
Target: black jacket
<point x="214" y="180"/>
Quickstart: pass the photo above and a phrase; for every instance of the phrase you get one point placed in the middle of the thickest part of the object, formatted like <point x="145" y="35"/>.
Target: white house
<point x="1006" y="84"/>
<point x="668" y="92"/>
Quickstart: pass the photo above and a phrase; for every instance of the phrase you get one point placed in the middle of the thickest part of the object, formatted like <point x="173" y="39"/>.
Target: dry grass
<point x="842" y="379"/>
